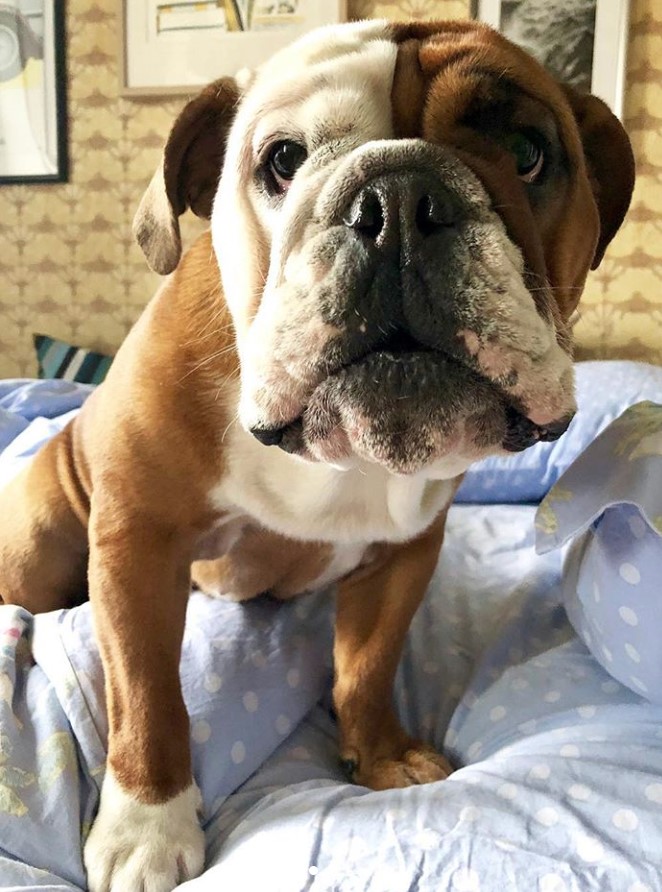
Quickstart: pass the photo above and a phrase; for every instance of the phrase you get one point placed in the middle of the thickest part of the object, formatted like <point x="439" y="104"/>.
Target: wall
<point x="68" y="265"/>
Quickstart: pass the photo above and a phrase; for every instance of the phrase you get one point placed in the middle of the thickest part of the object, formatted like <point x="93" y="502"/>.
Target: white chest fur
<point x="317" y="502"/>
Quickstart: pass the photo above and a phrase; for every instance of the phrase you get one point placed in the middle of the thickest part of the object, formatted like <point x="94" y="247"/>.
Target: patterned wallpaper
<point x="69" y="268"/>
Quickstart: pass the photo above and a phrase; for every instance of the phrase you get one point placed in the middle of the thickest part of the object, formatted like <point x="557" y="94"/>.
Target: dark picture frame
<point x="33" y="92"/>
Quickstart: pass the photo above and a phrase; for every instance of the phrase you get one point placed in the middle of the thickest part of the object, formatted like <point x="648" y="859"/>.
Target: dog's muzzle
<point x="521" y="433"/>
<point x="439" y="345"/>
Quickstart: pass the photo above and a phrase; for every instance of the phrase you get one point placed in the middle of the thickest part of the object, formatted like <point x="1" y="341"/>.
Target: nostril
<point x="366" y="215"/>
<point x="432" y="214"/>
<point x="268" y="436"/>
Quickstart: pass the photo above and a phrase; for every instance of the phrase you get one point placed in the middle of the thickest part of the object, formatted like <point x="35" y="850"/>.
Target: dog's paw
<point x="419" y="764"/>
<point x="136" y="847"/>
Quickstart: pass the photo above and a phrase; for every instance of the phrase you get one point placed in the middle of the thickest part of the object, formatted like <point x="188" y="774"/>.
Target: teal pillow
<point x="57" y="359"/>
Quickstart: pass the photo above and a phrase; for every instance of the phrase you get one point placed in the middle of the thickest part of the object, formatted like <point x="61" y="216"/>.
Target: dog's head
<point x="404" y="221"/>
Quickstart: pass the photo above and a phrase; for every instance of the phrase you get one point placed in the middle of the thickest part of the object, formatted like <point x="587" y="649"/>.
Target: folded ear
<point x="188" y="174"/>
<point x="609" y="160"/>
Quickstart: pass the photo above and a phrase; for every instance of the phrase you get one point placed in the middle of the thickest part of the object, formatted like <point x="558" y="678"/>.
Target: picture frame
<point x="33" y="92"/>
<point x="173" y="47"/>
<point x="605" y="60"/>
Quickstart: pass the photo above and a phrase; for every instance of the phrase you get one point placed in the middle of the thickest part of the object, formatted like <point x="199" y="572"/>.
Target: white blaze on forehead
<point x="321" y="46"/>
<point x="333" y="85"/>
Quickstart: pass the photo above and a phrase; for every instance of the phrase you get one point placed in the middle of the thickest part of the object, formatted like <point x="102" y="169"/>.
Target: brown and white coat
<point x="393" y="310"/>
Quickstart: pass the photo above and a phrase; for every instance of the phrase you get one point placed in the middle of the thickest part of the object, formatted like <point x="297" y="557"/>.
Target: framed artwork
<point x="175" y="46"/>
<point x="582" y="42"/>
<point x="33" y="118"/>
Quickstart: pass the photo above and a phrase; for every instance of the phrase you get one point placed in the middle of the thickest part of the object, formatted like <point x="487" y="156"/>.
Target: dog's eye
<point x="284" y="159"/>
<point x="528" y="155"/>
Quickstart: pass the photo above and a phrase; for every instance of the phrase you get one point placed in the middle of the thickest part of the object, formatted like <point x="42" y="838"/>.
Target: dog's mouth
<point x="404" y="404"/>
<point x="521" y="433"/>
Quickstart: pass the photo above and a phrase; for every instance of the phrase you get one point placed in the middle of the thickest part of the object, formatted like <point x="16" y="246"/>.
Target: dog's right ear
<point x="609" y="160"/>
<point x="188" y="174"/>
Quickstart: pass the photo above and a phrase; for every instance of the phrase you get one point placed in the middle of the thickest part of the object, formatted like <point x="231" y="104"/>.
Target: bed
<point x="559" y="766"/>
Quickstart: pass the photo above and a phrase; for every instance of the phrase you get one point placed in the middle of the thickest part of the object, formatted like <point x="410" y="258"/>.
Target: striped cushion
<point x="57" y="359"/>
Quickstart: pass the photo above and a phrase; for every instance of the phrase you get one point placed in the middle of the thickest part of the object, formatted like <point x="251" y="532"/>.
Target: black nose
<point x="401" y="209"/>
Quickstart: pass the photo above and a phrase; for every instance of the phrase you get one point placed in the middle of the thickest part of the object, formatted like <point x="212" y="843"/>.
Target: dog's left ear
<point x="188" y="174"/>
<point x="609" y="160"/>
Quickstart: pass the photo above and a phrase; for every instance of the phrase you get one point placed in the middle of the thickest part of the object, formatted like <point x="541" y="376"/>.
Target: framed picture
<point x="582" y="42"/>
<point x="33" y="118"/>
<point x="172" y="46"/>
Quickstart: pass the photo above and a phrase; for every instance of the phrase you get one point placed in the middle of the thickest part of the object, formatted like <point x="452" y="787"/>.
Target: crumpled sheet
<point x="559" y="781"/>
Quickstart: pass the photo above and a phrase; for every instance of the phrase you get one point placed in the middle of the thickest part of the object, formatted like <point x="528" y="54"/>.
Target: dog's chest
<point x="319" y="503"/>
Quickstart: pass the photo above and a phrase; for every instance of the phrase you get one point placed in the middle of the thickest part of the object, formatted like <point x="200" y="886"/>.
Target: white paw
<point x="136" y="847"/>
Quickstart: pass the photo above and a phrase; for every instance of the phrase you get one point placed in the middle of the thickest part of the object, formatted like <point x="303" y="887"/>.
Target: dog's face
<point x="404" y="222"/>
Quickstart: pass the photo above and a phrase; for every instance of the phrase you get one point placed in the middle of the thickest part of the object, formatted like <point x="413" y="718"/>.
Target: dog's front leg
<point x="374" y="610"/>
<point x="146" y="834"/>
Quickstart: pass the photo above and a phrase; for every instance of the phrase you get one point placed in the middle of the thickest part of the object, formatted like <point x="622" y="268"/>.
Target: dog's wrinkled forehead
<point x="384" y="80"/>
<point x="331" y="84"/>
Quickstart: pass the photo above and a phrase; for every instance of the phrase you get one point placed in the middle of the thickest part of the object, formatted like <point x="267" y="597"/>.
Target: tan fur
<point x="144" y="502"/>
<point x="374" y="609"/>
<point x="262" y="561"/>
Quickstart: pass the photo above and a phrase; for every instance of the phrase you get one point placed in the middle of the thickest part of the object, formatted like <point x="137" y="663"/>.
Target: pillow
<point x="57" y="359"/>
<point x="609" y="505"/>
<point x="22" y="401"/>
<point x="604" y="390"/>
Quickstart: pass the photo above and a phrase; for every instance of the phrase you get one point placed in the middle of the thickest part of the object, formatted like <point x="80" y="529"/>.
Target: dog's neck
<point x="319" y="502"/>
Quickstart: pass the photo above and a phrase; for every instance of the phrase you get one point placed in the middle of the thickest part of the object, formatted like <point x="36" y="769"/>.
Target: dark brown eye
<point x="284" y="159"/>
<point x="528" y="155"/>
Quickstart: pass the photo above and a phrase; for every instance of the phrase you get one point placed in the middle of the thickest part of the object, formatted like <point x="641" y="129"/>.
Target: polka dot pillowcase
<point x="604" y="390"/>
<point x="608" y="505"/>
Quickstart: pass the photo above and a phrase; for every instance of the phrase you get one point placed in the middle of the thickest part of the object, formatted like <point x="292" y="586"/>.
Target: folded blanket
<point x="609" y="504"/>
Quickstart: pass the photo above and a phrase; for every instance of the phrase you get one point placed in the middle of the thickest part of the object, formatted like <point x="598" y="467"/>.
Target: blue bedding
<point x="559" y="780"/>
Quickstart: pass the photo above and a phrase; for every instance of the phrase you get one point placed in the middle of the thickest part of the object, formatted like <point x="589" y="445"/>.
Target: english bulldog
<point x="402" y="217"/>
